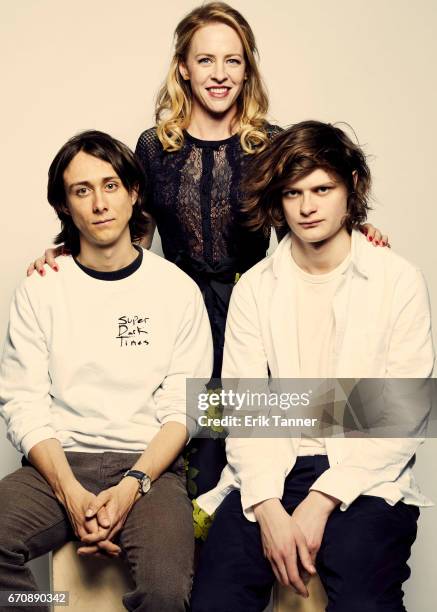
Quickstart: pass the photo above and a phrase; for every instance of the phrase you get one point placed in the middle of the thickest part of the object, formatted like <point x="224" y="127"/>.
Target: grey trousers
<point x="157" y="538"/>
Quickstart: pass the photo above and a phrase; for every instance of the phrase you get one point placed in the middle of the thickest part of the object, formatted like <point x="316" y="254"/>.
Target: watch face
<point x="145" y="484"/>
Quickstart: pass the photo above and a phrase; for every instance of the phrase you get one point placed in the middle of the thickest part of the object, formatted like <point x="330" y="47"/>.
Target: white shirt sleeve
<point x="373" y="461"/>
<point x="24" y="377"/>
<point x="192" y="358"/>
<point x="260" y="464"/>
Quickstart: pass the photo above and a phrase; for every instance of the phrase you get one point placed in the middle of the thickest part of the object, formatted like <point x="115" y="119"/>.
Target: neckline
<point x="210" y="143"/>
<point x="114" y="275"/>
<point x="323" y="278"/>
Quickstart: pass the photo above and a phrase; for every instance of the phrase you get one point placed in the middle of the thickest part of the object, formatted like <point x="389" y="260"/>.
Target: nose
<point x="308" y="204"/>
<point x="219" y="72"/>
<point x="99" y="202"/>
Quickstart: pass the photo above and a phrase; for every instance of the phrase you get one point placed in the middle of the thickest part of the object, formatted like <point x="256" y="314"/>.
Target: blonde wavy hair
<point x="173" y="105"/>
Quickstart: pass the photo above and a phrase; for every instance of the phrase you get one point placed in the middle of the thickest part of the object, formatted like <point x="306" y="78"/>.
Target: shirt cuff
<point x="187" y="422"/>
<point x="34" y="437"/>
<point x="266" y="487"/>
<point x="343" y="486"/>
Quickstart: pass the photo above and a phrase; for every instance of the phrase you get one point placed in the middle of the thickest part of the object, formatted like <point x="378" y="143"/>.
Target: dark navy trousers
<point x="362" y="561"/>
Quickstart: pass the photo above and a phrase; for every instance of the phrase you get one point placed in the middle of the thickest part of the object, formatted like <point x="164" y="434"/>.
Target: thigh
<point x="233" y="574"/>
<point x="158" y="537"/>
<point x="363" y="558"/>
<point x="33" y="522"/>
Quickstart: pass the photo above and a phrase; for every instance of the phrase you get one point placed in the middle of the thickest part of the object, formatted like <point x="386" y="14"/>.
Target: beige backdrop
<point x="69" y="66"/>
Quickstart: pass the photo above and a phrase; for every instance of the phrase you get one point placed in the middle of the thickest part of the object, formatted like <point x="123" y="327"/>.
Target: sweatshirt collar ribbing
<point x="114" y="275"/>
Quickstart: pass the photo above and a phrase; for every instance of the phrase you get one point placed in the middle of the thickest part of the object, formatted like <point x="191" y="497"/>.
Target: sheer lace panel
<point x="188" y="208"/>
<point x="194" y="197"/>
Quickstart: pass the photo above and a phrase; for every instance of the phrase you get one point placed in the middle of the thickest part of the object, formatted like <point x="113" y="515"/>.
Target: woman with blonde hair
<point x="210" y="116"/>
<point x="211" y="119"/>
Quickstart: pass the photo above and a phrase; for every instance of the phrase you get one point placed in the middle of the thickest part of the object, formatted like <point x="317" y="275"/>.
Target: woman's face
<point x="216" y="69"/>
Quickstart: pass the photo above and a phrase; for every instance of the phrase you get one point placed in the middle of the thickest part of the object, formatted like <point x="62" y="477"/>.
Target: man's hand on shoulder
<point x="284" y="545"/>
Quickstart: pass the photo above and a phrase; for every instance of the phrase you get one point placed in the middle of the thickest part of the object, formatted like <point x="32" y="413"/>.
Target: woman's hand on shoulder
<point x="48" y="258"/>
<point x="374" y="235"/>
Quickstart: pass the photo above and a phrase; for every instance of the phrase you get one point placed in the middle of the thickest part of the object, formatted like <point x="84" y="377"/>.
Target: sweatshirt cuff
<point x="34" y="437"/>
<point x="187" y="422"/>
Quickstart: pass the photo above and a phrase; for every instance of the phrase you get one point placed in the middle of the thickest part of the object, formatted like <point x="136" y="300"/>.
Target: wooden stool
<point x="93" y="584"/>
<point x="286" y="600"/>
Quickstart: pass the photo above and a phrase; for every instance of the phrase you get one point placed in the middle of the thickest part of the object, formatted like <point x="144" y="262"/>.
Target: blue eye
<point x="204" y="60"/>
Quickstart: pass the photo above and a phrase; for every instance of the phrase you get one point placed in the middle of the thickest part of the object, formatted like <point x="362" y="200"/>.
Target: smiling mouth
<point x="218" y="92"/>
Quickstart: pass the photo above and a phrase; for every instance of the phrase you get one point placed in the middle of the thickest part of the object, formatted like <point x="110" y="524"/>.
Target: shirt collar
<point x="358" y="254"/>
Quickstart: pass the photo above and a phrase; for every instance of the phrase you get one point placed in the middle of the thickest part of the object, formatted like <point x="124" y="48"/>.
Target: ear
<point x="134" y="195"/>
<point x="183" y="70"/>
<point x="64" y="209"/>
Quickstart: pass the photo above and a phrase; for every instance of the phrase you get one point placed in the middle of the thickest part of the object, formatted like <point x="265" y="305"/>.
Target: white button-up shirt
<point x="383" y="330"/>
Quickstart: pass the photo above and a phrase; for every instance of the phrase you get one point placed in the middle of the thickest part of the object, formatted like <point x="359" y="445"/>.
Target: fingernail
<point x="89" y="512"/>
<point x="376" y="242"/>
<point x="41" y="272"/>
<point x="55" y="268"/>
<point x="370" y="238"/>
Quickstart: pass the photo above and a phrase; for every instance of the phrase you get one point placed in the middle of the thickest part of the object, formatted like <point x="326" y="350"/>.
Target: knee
<point x="166" y="597"/>
<point x="170" y="600"/>
<point x="12" y="546"/>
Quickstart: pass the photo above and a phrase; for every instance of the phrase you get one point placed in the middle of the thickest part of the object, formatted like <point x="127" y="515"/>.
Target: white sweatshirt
<point x="101" y="363"/>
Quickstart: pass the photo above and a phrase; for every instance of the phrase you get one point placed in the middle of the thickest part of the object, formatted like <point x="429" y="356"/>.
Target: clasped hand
<point x="96" y="519"/>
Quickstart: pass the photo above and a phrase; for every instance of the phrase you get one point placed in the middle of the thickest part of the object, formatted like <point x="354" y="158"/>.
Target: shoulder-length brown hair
<point x="294" y="154"/>
<point x="108" y="149"/>
<point x="173" y="105"/>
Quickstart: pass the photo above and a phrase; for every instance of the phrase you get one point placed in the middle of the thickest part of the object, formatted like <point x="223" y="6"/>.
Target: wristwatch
<point x="144" y="481"/>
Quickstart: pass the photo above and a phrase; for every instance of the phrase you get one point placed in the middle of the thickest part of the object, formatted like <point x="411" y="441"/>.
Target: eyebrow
<point x="89" y="184"/>
<point x="212" y="55"/>
<point x="328" y="183"/>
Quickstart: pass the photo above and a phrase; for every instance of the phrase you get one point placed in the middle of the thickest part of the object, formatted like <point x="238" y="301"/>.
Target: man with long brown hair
<point x="92" y="389"/>
<point x="325" y="305"/>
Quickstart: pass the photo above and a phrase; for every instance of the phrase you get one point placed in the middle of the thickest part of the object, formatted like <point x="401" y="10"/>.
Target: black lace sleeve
<point x="147" y="147"/>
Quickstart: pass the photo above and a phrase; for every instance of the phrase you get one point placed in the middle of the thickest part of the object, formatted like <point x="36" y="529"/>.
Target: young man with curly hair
<point x="326" y="304"/>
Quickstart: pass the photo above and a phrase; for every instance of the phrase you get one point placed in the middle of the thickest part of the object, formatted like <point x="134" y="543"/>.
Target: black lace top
<point x="194" y="198"/>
